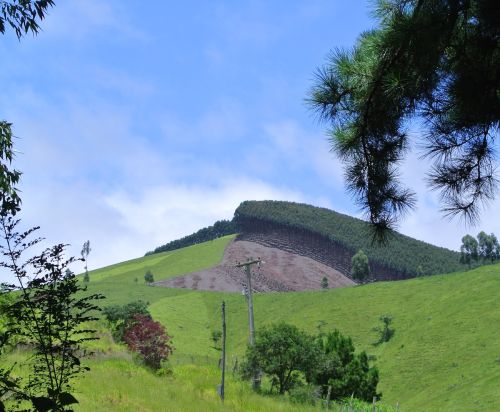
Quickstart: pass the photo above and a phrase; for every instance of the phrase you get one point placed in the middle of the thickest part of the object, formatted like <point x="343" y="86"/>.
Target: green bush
<point x="119" y="316"/>
<point x="346" y="372"/>
<point x="283" y="352"/>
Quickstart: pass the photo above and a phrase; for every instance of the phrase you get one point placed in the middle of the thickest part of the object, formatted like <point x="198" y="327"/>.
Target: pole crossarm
<point x="249" y="263"/>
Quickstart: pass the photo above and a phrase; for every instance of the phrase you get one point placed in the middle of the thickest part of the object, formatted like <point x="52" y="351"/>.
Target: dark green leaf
<point x="67" y="399"/>
<point x="42" y="403"/>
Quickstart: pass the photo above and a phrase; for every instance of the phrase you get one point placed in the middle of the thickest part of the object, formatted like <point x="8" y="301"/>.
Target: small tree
<point x="149" y="339"/>
<point x="283" y="352"/>
<point x="348" y="374"/>
<point x="149" y="277"/>
<point x="468" y="250"/>
<point x="385" y="332"/>
<point x="324" y="283"/>
<point x="360" y="269"/>
<point x="49" y="313"/>
<point x="85" y="255"/>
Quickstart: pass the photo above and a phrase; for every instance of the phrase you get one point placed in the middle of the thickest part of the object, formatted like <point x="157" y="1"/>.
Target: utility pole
<point x="251" y="338"/>
<point x="223" y="350"/>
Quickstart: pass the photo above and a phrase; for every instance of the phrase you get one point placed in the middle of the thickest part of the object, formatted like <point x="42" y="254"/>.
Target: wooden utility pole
<point x="223" y="350"/>
<point x="247" y="265"/>
<point x="251" y="338"/>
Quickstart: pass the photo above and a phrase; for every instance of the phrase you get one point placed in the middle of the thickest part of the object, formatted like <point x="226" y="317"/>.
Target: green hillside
<point x="401" y="253"/>
<point x="444" y="355"/>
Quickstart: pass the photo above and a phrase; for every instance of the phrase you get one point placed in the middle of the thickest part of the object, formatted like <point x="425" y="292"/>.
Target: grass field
<point x="444" y="356"/>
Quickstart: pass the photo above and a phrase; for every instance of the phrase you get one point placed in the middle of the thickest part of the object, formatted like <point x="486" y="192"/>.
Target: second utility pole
<point x="251" y="339"/>
<point x="222" y="385"/>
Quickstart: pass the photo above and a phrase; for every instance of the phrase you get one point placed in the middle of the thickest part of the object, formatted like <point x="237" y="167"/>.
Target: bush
<point x="283" y="352"/>
<point x="149" y="277"/>
<point x="385" y="332"/>
<point x="148" y="338"/>
<point x="120" y="315"/>
<point x="48" y="310"/>
<point x="324" y="283"/>
<point x="346" y="372"/>
<point x="305" y="394"/>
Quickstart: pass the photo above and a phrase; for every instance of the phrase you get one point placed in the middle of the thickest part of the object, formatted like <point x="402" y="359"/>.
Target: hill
<point x="444" y="355"/>
<point x="326" y="236"/>
<point x="333" y="238"/>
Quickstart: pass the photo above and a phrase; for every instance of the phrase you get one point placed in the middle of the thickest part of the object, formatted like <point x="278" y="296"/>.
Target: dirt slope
<point x="282" y="271"/>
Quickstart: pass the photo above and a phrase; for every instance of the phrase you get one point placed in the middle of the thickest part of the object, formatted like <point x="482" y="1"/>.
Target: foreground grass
<point x="120" y="385"/>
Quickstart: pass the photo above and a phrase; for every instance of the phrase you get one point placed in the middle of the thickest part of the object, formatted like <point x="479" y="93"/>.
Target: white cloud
<point x="163" y="213"/>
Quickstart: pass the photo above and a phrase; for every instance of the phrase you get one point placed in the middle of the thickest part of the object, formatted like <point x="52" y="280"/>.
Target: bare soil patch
<point x="282" y="272"/>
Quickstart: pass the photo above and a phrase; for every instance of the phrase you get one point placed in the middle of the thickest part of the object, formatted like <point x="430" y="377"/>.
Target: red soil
<point x="281" y="272"/>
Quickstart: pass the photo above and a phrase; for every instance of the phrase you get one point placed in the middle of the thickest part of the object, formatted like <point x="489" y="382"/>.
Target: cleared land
<point x="281" y="272"/>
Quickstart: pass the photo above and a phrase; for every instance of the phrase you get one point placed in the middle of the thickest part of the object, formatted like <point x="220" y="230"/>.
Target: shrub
<point x="346" y="372"/>
<point x="47" y="310"/>
<point x="149" y="277"/>
<point x="283" y="352"/>
<point x="149" y="339"/>
<point x="385" y="332"/>
<point x="305" y="394"/>
<point x="324" y="283"/>
<point x="120" y="315"/>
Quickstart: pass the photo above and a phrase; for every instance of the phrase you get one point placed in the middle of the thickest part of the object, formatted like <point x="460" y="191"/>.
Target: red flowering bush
<point x="149" y="339"/>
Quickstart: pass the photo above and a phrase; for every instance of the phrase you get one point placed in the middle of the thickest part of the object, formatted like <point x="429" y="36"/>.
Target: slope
<point x="444" y="355"/>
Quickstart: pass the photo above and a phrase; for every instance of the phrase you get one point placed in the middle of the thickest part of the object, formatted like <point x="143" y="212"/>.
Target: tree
<point x="468" y="250"/>
<point x="324" y="283"/>
<point x="149" y="277"/>
<point x="85" y="255"/>
<point x="488" y="247"/>
<point x="429" y="60"/>
<point x="360" y="269"/>
<point x="149" y="339"/>
<point x="283" y="352"/>
<point x="346" y="372"/>
<point x="23" y="17"/>
<point x="49" y="313"/>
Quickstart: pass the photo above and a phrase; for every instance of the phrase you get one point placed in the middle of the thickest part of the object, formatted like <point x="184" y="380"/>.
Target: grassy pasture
<point x="444" y="356"/>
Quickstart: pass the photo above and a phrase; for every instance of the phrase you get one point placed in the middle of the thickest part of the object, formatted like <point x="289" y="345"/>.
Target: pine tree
<point x="431" y="60"/>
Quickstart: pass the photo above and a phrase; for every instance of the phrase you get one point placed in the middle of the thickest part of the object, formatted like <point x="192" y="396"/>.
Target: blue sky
<point x="140" y="122"/>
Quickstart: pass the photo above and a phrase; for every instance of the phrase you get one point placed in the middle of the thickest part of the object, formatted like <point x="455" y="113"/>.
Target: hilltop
<point x="302" y="244"/>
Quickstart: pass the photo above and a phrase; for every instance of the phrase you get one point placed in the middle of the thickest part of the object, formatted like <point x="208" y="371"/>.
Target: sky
<point x="142" y="122"/>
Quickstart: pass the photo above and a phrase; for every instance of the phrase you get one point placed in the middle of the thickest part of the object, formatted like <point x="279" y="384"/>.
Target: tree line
<point x="218" y="229"/>
<point x="400" y="253"/>
<point x="484" y="249"/>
